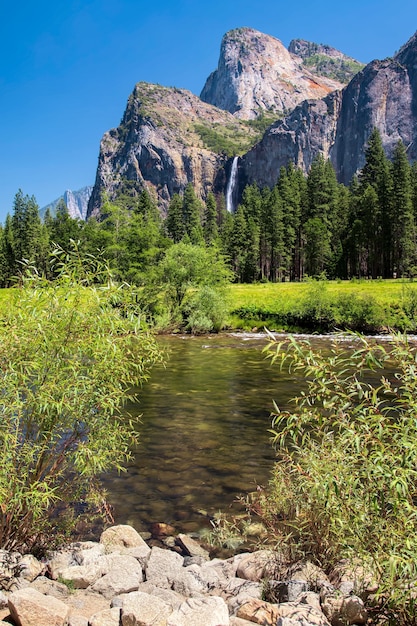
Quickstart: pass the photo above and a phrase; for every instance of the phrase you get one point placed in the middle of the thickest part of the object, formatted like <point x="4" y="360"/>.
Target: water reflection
<point x="204" y="436"/>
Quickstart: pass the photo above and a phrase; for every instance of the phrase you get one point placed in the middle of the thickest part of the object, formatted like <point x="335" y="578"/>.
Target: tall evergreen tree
<point x="376" y="172"/>
<point x="28" y="236"/>
<point x="192" y="210"/>
<point x="210" y="228"/>
<point x="174" y="221"/>
<point x="62" y="227"/>
<point x="403" y="224"/>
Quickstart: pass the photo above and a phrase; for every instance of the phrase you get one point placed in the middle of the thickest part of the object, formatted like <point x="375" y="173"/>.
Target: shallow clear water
<point x="204" y="437"/>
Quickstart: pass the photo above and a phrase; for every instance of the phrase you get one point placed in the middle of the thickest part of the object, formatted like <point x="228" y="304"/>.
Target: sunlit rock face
<point x="382" y="95"/>
<point x="168" y="137"/>
<point x="257" y="74"/>
<point x="159" y="146"/>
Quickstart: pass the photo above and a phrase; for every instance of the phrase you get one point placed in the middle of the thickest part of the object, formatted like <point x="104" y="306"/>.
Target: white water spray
<point x="231" y="185"/>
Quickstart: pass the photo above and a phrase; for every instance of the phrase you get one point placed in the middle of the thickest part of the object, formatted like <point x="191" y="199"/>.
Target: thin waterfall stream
<point x="231" y="185"/>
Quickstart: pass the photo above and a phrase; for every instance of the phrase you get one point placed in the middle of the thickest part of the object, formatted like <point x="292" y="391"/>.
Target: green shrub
<point x="205" y="311"/>
<point x="345" y="481"/>
<point x="68" y="353"/>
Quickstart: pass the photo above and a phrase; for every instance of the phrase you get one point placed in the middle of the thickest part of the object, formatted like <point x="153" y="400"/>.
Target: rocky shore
<point x="122" y="581"/>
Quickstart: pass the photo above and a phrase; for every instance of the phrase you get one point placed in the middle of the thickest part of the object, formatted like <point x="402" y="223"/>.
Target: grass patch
<point x="325" y="306"/>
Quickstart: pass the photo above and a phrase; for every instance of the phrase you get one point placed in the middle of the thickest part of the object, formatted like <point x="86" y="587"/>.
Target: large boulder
<point x="28" y="607"/>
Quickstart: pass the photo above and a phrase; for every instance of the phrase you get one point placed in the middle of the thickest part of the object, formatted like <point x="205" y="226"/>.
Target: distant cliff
<point x="75" y="201"/>
<point x="323" y="60"/>
<point x="382" y="95"/>
<point x="169" y="137"/>
<point x="256" y="73"/>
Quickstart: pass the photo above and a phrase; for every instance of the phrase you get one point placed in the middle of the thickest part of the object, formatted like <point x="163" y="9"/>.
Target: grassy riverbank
<point x="367" y="306"/>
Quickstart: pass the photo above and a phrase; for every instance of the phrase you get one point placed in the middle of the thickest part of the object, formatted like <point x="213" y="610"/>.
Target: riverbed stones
<point x="28" y="607"/>
<point x="30" y="568"/>
<point x="259" y="611"/>
<point x="120" y="584"/>
<point x="122" y="536"/>
<point x="191" y="547"/>
<point x="125" y="575"/>
<point x="141" y="609"/>
<point x="210" y="611"/>
<point x="108" y="617"/>
<point x="341" y="610"/>
<point x="163" y="567"/>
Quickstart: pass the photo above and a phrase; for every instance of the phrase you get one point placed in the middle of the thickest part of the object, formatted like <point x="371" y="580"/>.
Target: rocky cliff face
<point x="323" y="60"/>
<point x="383" y="95"/>
<point x="168" y="138"/>
<point x="256" y="73"/>
<point x="76" y="203"/>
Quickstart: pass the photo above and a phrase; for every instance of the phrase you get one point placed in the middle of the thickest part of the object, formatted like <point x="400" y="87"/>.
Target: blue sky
<point x="68" y="67"/>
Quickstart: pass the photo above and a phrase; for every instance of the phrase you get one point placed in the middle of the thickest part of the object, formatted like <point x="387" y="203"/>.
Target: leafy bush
<point x="345" y="481"/>
<point x="173" y="291"/>
<point x="206" y="310"/>
<point x="69" y="351"/>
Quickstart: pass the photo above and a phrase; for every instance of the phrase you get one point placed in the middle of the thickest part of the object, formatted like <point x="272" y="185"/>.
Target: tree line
<point x="304" y="226"/>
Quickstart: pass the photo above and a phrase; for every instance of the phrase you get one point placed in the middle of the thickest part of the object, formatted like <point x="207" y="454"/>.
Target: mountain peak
<point x="257" y="74"/>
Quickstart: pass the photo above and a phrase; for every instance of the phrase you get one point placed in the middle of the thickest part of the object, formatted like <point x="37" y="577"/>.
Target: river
<point x="204" y="435"/>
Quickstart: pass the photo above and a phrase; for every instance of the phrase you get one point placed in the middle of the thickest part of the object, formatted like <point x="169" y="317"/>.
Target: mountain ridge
<point x="169" y="137"/>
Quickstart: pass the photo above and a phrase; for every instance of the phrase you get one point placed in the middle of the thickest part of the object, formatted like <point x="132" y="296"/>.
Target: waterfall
<point x="231" y="185"/>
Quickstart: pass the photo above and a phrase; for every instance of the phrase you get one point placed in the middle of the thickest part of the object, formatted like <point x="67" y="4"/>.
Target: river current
<point x="204" y="436"/>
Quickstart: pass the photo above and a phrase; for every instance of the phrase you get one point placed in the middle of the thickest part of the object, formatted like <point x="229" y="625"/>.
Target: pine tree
<point x="292" y="189"/>
<point x="174" y="221"/>
<point x="210" y="228"/>
<point x="322" y="225"/>
<point x="238" y="243"/>
<point x="403" y="224"/>
<point x="28" y="237"/>
<point x="376" y="172"/>
<point x="62" y="227"/>
<point x="192" y="210"/>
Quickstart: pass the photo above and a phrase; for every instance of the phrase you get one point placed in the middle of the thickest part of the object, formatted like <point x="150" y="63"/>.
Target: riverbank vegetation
<point x="344" y="484"/>
<point x="69" y="352"/>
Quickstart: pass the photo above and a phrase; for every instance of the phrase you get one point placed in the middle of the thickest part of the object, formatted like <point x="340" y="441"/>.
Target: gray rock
<point x="82" y="576"/>
<point x="294" y="614"/>
<point x="141" y="609"/>
<point x="77" y="620"/>
<point x="258" y="565"/>
<point x="163" y="567"/>
<point x="141" y="553"/>
<point x="382" y="95"/>
<point x="237" y="621"/>
<point x="172" y="598"/>
<point x="238" y="592"/>
<point x="210" y="611"/>
<point x="122" y="536"/>
<point x="257" y="73"/>
<point x="31" y="608"/>
<point x="195" y="580"/>
<point x="109" y="617"/>
<point x="124" y="576"/>
<point x="51" y="587"/>
<point x="30" y="567"/>
<point x="88" y="553"/>
<point x="60" y="561"/>
<point x="341" y="610"/>
<point x="9" y="568"/>
<point x="191" y="547"/>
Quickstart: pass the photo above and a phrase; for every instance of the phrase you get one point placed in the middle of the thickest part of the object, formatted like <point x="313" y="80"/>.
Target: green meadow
<point x="323" y="306"/>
